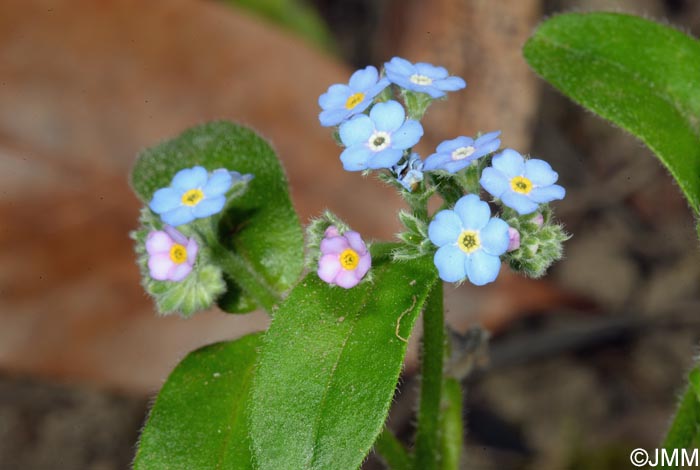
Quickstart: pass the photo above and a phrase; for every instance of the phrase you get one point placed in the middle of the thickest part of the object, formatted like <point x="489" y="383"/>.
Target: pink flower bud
<point x="513" y="239"/>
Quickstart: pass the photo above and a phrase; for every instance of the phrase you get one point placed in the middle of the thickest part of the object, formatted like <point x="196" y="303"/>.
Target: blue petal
<point x="450" y="146"/>
<point x="473" y="212"/>
<point x="494" y="237"/>
<point x="219" y="182"/>
<point x="165" y="199"/>
<point x="399" y="66"/>
<point x="432" y="91"/>
<point x="436" y="161"/>
<point x="522" y="204"/>
<point x="509" y="162"/>
<point x="190" y="178"/>
<point x="450" y="84"/>
<point x="336" y="96"/>
<point x="547" y="193"/>
<point x="482" y="268"/>
<point x="407" y="135"/>
<point x="364" y="78"/>
<point x="450" y="262"/>
<point x="487" y="137"/>
<point x="333" y="117"/>
<point x="209" y="206"/>
<point x="356" y="131"/>
<point x="432" y="71"/>
<point x="181" y="215"/>
<point x="540" y="172"/>
<point x="387" y="116"/>
<point x="455" y="166"/>
<point x="494" y="182"/>
<point x="444" y="228"/>
<point x="355" y="158"/>
<point x="384" y="159"/>
<point x="376" y="89"/>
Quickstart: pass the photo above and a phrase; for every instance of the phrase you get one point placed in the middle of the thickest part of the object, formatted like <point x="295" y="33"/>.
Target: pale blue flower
<point x="456" y="154"/>
<point x="470" y="242"/>
<point x="194" y="194"/>
<point x="342" y="101"/>
<point x="521" y="184"/>
<point x="422" y="77"/>
<point x="378" y="140"/>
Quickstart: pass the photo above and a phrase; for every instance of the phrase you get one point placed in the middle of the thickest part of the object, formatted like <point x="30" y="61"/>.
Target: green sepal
<point x="315" y="233"/>
<point x="415" y="238"/>
<point x="416" y="103"/>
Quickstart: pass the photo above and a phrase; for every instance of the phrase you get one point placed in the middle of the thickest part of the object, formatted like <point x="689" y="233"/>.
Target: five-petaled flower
<point x="171" y="254"/>
<point x="193" y="194"/>
<point x="378" y="140"/>
<point x="422" y="77"/>
<point x="521" y="184"/>
<point x="456" y="154"/>
<point x="342" y="101"/>
<point x="344" y="258"/>
<point x="469" y="240"/>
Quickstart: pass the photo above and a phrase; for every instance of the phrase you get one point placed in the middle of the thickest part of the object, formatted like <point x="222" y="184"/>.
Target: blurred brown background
<point x="585" y="365"/>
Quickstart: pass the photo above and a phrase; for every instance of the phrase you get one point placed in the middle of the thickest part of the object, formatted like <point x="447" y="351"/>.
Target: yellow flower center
<point x="462" y="153"/>
<point x="178" y="253"/>
<point x="521" y="185"/>
<point x="349" y="259"/>
<point x="192" y="197"/>
<point x="468" y="241"/>
<point x="419" y="79"/>
<point x="354" y="100"/>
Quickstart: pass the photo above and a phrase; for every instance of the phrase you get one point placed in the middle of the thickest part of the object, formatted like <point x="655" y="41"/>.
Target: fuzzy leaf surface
<point x="638" y="74"/>
<point x="329" y="366"/>
<point x="199" y="418"/>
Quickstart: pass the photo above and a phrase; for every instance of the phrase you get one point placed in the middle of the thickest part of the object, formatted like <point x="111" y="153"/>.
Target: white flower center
<point x="462" y="153"/>
<point x="379" y="140"/>
<point x="419" y="79"/>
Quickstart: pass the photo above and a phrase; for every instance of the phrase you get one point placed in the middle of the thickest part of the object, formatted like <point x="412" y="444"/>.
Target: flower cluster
<point x="378" y="115"/>
<point x="172" y="244"/>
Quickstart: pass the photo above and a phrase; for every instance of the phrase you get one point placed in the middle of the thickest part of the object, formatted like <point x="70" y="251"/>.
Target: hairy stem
<point x="428" y="433"/>
<point x="392" y="451"/>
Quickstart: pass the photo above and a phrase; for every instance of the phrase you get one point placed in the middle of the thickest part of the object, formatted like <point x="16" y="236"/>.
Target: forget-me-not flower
<point x="342" y="101"/>
<point x="171" y="255"/>
<point x="422" y="77"/>
<point x="193" y="194"/>
<point x="456" y="154"/>
<point x="378" y="140"/>
<point x="344" y="259"/>
<point x="470" y="242"/>
<point x="521" y="184"/>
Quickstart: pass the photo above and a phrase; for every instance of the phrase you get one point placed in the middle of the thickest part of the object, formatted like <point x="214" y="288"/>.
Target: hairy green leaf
<point x="261" y="227"/>
<point x="199" y="418"/>
<point x="329" y="366"/>
<point x="641" y="75"/>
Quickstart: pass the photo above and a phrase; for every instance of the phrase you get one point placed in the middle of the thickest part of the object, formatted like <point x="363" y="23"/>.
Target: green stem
<point x="392" y="451"/>
<point x="428" y="435"/>
<point x="251" y="282"/>
<point x="452" y="431"/>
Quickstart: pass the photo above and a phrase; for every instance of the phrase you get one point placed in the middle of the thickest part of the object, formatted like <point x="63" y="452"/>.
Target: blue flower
<point x="194" y="194"/>
<point x="422" y="77"/>
<point x="470" y="242"/>
<point x="378" y="140"/>
<point x="521" y="184"/>
<point x="409" y="173"/>
<point x="342" y="101"/>
<point x="456" y="154"/>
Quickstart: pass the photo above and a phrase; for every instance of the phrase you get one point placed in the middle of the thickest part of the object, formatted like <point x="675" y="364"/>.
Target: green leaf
<point x="199" y="418"/>
<point x="685" y="428"/>
<point x="329" y="366"/>
<point x="641" y="75"/>
<point x="260" y="227"/>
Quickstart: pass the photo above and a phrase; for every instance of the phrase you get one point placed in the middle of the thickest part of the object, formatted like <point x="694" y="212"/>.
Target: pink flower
<point x="513" y="239"/>
<point x="344" y="258"/>
<point x="171" y="254"/>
